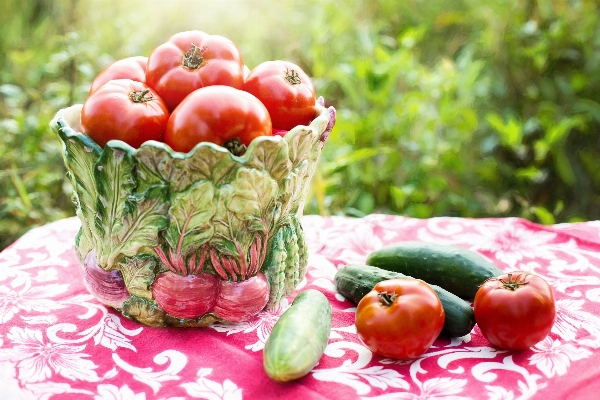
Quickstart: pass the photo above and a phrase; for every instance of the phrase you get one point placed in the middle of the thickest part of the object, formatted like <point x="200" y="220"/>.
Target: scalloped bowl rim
<point x="60" y="122"/>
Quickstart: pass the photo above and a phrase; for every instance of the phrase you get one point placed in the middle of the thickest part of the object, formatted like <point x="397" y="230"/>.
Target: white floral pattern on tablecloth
<point x="57" y="341"/>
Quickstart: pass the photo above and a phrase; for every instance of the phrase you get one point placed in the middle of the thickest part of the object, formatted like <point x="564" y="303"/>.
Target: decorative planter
<point x="174" y="239"/>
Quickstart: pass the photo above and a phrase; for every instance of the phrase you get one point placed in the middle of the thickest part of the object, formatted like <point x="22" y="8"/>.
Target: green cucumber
<point x="298" y="338"/>
<point x="355" y="281"/>
<point x="459" y="271"/>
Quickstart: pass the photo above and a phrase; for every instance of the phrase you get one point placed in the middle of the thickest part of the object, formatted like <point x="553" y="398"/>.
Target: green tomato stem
<point x="386" y="299"/>
<point x="235" y="146"/>
<point x="192" y="59"/>
<point x="292" y="77"/>
<point x="141" y="96"/>
<point x="513" y="284"/>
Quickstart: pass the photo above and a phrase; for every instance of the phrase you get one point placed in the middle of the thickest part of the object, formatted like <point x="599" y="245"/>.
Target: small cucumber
<point x="355" y="281"/>
<point x="459" y="271"/>
<point x="299" y="337"/>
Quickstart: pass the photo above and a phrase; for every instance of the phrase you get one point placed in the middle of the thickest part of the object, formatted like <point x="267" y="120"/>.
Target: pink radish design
<point x="185" y="291"/>
<point x="237" y="293"/>
<point x="241" y="301"/>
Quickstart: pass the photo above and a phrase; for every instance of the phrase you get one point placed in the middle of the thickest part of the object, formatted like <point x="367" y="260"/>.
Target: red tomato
<point x="515" y="310"/>
<point x="191" y="60"/>
<point x="133" y="68"/>
<point x="400" y="318"/>
<point x="126" y="110"/>
<point x="285" y="90"/>
<point x="219" y="114"/>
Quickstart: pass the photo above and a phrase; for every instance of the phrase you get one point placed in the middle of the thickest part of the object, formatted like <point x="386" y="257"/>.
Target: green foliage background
<point x="462" y="108"/>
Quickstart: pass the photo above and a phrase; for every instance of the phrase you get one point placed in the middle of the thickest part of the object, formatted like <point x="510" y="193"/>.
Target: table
<point x="58" y="342"/>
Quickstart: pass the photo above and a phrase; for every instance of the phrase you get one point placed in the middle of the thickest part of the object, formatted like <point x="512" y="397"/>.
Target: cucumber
<point x="459" y="271"/>
<point x="355" y="281"/>
<point x="298" y="338"/>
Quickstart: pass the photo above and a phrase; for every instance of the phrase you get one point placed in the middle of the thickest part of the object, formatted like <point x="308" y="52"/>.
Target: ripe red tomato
<point x="515" y="310"/>
<point x="133" y="68"/>
<point x="191" y="60"/>
<point x="219" y="114"/>
<point x="126" y="110"/>
<point x="400" y="318"/>
<point x="286" y="91"/>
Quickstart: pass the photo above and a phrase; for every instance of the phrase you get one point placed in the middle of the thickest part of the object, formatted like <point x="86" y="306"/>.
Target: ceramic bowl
<point x="189" y="239"/>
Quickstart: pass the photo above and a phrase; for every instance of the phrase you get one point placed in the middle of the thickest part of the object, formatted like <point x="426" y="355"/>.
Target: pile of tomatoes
<point x="196" y="88"/>
<point x="401" y="318"/>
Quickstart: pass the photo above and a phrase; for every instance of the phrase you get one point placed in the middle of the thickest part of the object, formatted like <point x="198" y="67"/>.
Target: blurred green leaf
<point x="587" y="106"/>
<point x="558" y="132"/>
<point x="564" y="168"/>
<point x="510" y="132"/>
<point x="543" y="215"/>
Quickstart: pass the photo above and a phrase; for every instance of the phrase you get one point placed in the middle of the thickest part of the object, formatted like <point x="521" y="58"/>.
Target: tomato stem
<point x="292" y="77"/>
<point x="235" y="146"/>
<point x="192" y="59"/>
<point x="141" y="96"/>
<point x="386" y="299"/>
<point x="513" y="284"/>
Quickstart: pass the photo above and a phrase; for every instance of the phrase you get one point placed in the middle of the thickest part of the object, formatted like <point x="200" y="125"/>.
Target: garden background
<point x="463" y="108"/>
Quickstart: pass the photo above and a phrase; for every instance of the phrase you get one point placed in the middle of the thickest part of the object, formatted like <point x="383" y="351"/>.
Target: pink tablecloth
<point x="57" y="342"/>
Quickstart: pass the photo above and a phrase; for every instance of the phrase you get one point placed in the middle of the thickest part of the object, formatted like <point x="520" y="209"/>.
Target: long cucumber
<point x="354" y="281"/>
<point x="459" y="271"/>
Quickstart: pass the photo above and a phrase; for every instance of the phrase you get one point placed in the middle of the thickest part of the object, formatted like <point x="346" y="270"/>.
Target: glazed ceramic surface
<point x="178" y="239"/>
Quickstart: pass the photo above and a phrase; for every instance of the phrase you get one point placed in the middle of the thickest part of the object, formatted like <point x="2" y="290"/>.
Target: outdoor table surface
<point x="58" y="342"/>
